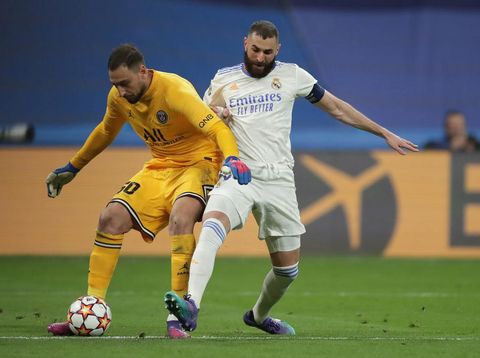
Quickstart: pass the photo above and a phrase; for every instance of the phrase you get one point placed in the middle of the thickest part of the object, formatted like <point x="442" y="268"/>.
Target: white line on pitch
<point x="251" y="338"/>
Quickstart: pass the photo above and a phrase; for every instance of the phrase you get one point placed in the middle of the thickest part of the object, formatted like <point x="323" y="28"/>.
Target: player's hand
<point x="399" y="144"/>
<point x="240" y="170"/>
<point x="221" y="112"/>
<point x="58" y="178"/>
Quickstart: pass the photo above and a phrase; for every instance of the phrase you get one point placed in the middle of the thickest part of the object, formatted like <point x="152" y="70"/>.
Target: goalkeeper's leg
<point x="185" y="213"/>
<point x="113" y="223"/>
<point x="216" y="225"/>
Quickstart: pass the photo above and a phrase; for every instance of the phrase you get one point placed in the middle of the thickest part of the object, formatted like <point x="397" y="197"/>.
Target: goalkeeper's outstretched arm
<point x="100" y="138"/>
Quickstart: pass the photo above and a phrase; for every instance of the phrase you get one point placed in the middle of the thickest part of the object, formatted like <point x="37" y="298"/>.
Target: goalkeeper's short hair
<point x="126" y="54"/>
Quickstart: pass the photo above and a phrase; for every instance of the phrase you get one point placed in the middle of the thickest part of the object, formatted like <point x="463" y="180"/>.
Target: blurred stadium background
<point x="401" y="62"/>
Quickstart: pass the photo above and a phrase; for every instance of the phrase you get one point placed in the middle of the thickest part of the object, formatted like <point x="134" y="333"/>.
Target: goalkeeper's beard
<point x="132" y="99"/>
<point x="268" y="66"/>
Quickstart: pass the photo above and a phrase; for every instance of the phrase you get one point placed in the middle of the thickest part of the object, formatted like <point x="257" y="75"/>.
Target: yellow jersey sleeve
<point x="102" y="136"/>
<point x="185" y="100"/>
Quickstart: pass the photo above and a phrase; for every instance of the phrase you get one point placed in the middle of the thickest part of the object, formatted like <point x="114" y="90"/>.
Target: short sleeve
<point x="305" y="82"/>
<point x="213" y="95"/>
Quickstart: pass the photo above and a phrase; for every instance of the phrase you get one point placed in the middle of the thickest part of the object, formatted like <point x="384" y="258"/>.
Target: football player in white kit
<point x="256" y="99"/>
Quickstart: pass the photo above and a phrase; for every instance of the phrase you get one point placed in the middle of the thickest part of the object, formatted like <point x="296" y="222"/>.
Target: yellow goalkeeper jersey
<point x="177" y="126"/>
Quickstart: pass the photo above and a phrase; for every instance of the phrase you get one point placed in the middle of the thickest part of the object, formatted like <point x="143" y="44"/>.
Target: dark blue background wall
<point x="401" y="62"/>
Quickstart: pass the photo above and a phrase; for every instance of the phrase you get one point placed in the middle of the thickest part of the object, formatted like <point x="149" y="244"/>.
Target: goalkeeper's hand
<point x="221" y="112"/>
<point x="240" y="170"/>
<point x="58" y="178"/>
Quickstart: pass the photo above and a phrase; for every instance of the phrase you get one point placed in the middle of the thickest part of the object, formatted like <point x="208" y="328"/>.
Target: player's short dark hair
<point x="264" y="28"/>
<point x="127" y="55"/>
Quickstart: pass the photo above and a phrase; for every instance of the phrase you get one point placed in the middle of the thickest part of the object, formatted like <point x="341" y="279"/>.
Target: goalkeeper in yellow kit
<point x="188" y="143"/>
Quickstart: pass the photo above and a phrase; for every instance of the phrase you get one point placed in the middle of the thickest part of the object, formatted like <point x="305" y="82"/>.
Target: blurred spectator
<point x="456" y="137"/>
<point x="17" y="133"/>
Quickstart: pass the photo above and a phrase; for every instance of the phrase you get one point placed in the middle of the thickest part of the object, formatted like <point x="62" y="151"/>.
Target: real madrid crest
<point x="276" y="84"/>
<point x="162" y="117"/>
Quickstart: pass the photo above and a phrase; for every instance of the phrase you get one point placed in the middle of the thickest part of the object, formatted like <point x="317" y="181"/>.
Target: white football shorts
<point x="270" y="196"/>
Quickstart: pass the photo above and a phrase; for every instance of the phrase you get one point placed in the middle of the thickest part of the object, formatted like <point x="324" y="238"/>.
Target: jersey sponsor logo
<point x="205" y="120"/>
<point x="162" y="117"/>
<point x="250" y="104"/>
<point x="254" y="99"/>
<point x="276" y="84"/>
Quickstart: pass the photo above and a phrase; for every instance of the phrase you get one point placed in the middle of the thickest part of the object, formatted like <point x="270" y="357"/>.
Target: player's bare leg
<point x="114" y="221"/>
<point x="185" y="213"/>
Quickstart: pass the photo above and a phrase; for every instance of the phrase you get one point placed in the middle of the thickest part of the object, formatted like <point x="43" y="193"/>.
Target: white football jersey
<point x="261" y="109"/>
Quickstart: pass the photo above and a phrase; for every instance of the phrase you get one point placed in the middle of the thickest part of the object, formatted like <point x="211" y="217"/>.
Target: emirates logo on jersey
<point x="276" y="84"/>
<point x="162" y="117"/>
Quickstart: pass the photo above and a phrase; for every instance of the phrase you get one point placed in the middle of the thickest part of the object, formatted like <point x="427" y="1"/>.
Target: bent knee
<point x="181" y="224"/>
<point x="115" y="219"/>
<point x="220" y="216"/>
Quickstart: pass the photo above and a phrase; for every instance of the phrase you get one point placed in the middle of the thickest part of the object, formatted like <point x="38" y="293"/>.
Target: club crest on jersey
<point x="276" y="84"/>
<point x="162" y="117"/>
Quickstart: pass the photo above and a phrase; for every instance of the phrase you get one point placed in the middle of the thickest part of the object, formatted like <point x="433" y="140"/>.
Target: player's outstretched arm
<point x="97" y="141"/>
<point x="347" y="114"/>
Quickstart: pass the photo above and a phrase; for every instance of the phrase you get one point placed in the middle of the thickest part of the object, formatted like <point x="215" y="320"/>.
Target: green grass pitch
<point x="339" y="306"/>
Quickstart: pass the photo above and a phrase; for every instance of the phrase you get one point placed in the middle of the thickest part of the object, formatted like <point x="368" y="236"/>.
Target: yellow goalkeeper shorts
<point x="150" y="194"/>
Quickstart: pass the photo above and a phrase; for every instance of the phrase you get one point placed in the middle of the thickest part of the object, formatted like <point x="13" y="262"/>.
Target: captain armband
<point x="316" y="93"/>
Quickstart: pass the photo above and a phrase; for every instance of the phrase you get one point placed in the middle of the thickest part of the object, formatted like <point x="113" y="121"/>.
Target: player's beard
<point x="268" y="66"/>
<point x="132" y="99"/>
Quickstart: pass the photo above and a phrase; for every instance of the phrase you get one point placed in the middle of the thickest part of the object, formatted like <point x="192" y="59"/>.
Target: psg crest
<point x="162" y="117"/>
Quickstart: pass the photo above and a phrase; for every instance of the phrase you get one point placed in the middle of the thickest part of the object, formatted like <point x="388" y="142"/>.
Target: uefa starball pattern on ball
<point x="89" y="316"/>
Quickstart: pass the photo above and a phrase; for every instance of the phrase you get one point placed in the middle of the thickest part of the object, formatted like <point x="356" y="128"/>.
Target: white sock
<point x="211" y="238"/>
<point x="275" y="285"/>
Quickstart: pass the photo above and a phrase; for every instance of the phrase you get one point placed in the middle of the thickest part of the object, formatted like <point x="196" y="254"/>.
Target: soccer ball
<point x="89" y="316"/>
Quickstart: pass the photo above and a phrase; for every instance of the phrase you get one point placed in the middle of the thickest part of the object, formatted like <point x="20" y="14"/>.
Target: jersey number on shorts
<point x="130" y="187"/>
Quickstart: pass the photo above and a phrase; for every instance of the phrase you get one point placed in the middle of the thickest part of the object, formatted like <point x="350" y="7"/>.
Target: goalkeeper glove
<point x="58" y="178"/>
<point x="239" y="169"/>
<point x="221" y="112"/>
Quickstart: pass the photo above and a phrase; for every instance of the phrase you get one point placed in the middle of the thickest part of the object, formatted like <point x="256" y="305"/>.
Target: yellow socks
<point x="106" y="251"/>
<point x="103" y="261"/>
<point x="182" y="247"/>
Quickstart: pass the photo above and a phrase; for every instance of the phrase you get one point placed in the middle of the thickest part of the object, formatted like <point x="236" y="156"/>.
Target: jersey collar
<point x="148" y="94"/>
